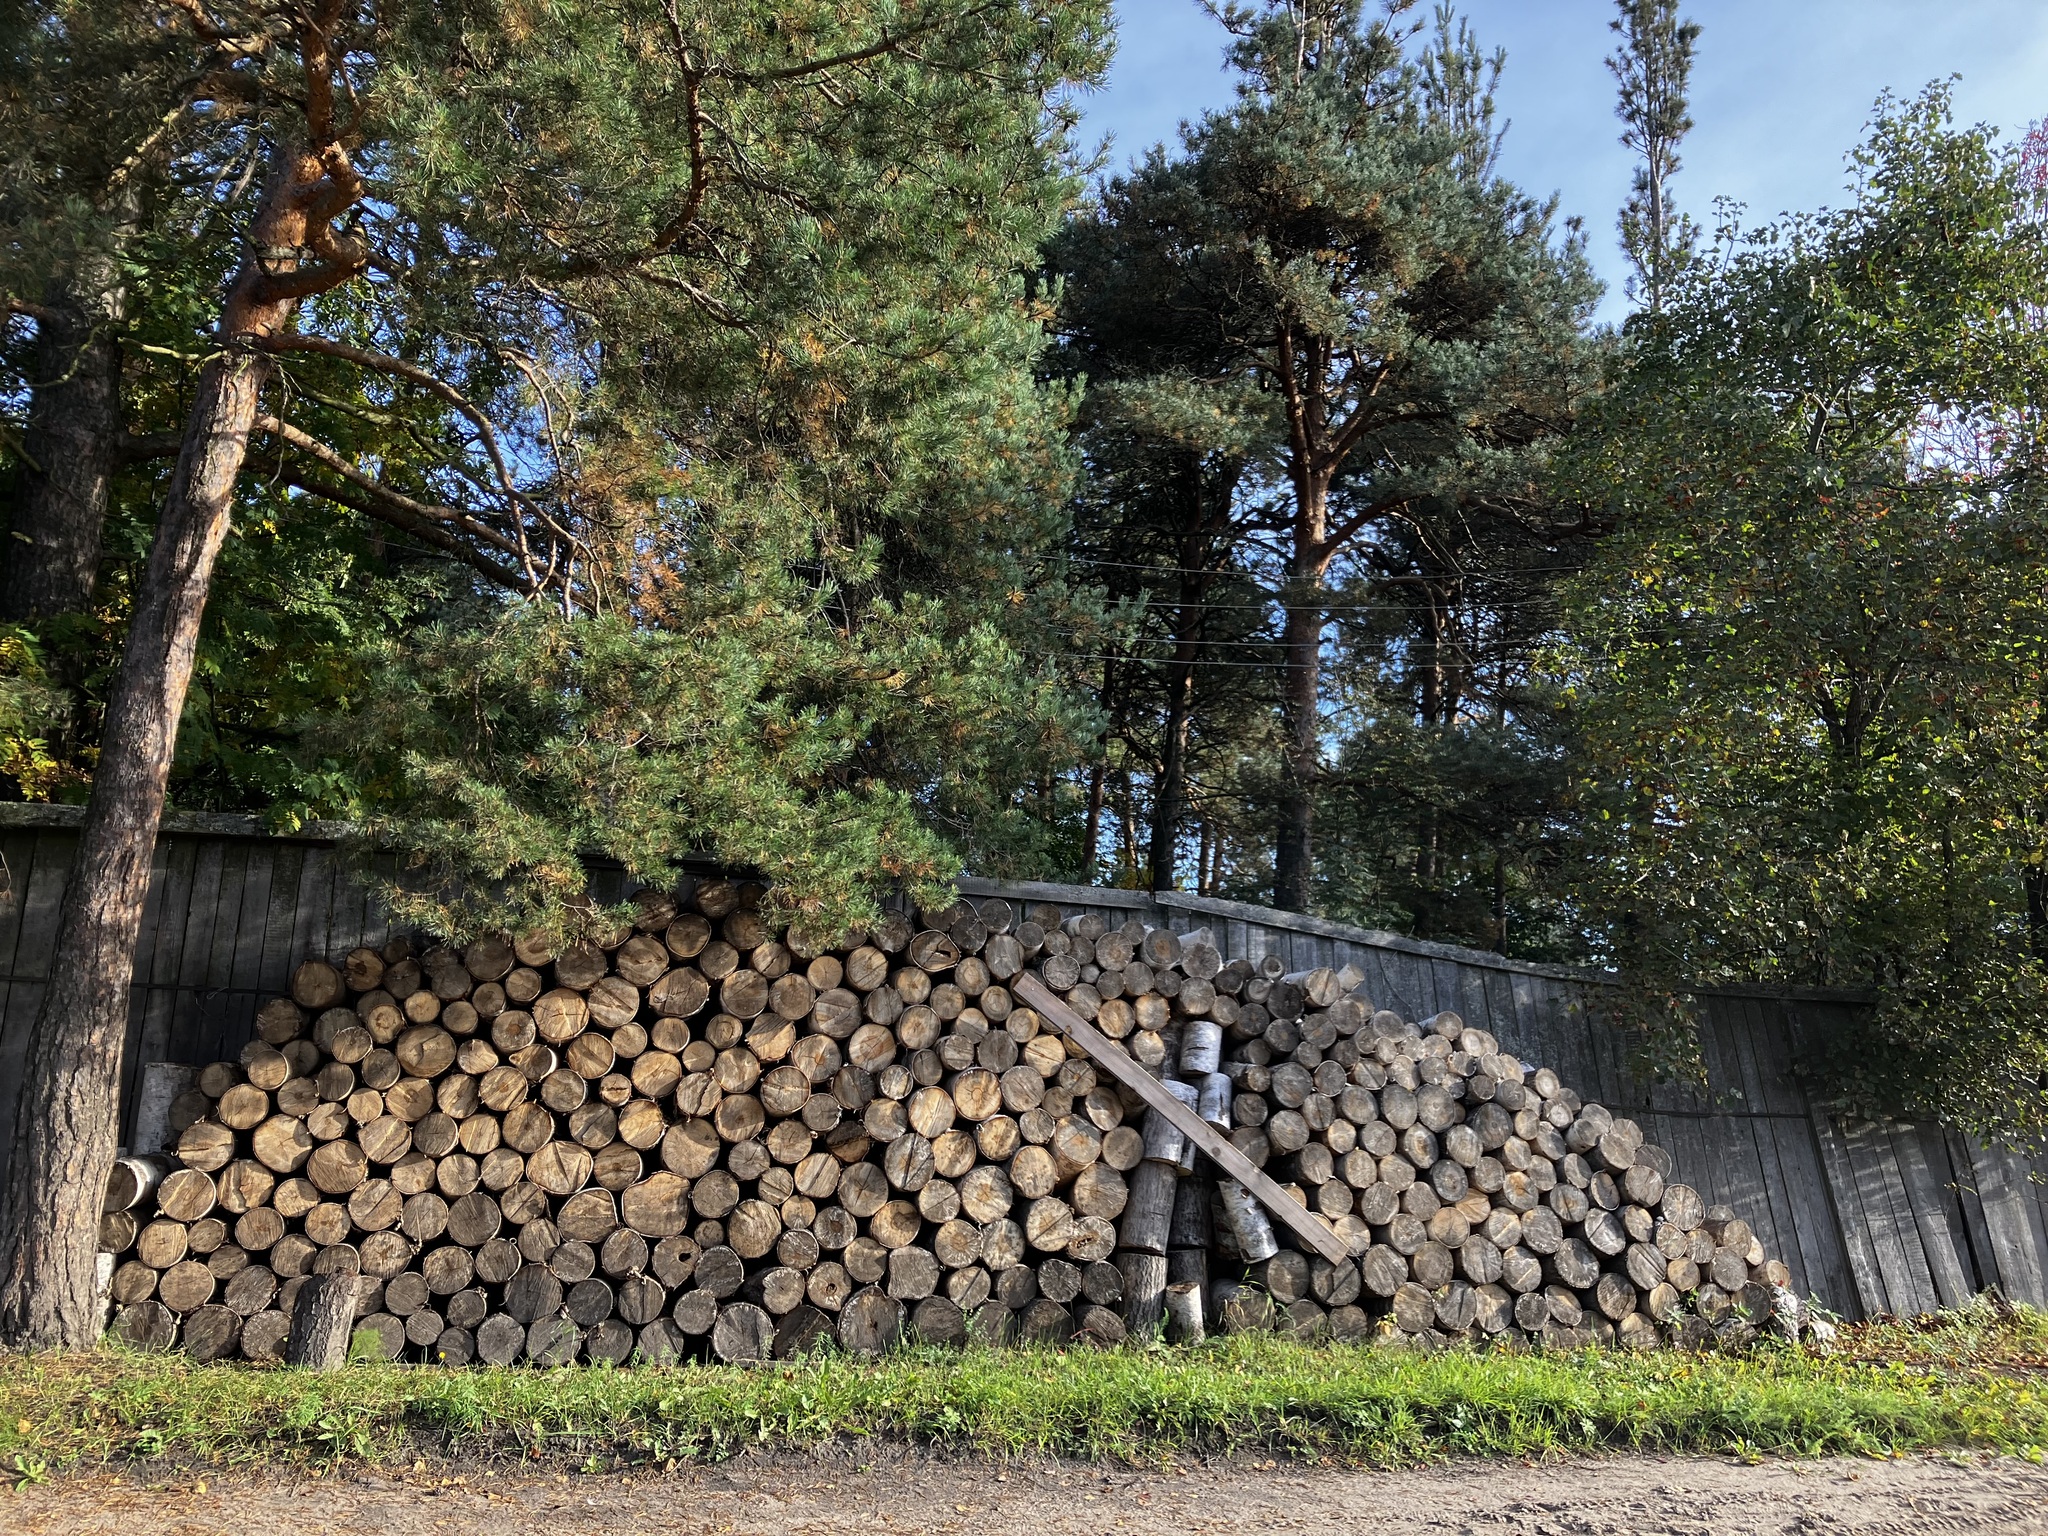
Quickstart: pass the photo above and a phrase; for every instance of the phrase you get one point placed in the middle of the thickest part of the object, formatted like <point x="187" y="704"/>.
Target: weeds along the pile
<point x="1894" y="1387"/>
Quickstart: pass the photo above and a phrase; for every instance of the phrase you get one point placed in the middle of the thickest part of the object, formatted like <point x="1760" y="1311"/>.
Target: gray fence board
<point x="1929" y="1197"/>
<point x="1858" y="1231"/>
<point x="2011" y="1223"/>
<point x="40" y="907"/>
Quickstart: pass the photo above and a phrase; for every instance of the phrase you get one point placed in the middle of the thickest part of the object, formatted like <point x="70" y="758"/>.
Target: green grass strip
<point x="1247" y="1395"/>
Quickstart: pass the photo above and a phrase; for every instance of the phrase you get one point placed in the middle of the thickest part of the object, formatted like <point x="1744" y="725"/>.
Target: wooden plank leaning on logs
<point x="1161" y="1101"/>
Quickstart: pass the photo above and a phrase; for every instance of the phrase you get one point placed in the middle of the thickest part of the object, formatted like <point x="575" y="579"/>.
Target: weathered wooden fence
<point x="1894" y="1218"/>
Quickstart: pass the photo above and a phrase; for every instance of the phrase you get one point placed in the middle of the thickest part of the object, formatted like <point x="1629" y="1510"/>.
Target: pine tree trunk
<point x="1294" y="854"/>
<point x="1091" y="842"/>
<point x="73" y="430"/>
<point x="1169" y="797"/>
<point x="65" y="1127"/>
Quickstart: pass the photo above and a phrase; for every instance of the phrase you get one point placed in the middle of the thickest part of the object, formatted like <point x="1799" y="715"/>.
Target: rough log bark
<point x="322" y="1320"/>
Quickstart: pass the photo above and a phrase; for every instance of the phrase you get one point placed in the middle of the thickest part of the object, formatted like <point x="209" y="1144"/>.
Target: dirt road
<point x="899" y="1496"/>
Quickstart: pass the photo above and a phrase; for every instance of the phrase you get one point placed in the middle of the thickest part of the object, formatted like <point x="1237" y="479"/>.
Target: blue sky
<point x="1780" y="92"/>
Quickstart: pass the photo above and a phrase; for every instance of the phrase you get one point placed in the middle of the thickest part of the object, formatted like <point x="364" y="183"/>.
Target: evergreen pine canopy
<point x="703" y="328"/>
<point x="1331" y="308"/>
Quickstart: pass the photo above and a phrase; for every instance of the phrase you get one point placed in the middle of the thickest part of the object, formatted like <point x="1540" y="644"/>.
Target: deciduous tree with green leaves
<point x="1807" y="666"/>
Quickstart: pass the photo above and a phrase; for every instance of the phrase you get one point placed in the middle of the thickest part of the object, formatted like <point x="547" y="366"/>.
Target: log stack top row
<point x="704" y="1136"/>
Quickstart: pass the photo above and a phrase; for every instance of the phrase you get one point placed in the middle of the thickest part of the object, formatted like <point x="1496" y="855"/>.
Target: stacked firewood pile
<point x="702" y="1137"/>
<point x="1474" y="1196"/>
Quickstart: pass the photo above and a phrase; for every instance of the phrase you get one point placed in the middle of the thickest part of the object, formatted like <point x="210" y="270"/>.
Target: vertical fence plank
<point x="1928" y="1202"/>
<point x="1857" y="1234"/>
<point x="40" y="895"/>
<point x="2002" y="1188"/>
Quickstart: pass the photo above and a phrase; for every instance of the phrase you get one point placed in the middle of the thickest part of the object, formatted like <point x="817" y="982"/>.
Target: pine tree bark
<point x="1312" y="462"/>
<point x="1294" y="853"/>
<point x="69" y="445"/>
<point x="1170" y="794"/>
<point x="65" y="1127"/>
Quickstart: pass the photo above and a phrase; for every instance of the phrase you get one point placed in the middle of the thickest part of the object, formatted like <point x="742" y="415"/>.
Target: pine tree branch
<point x="887" y="43"/>
<point x="372" y="499"/>
<point x="428" y="531"/>
<point x="382" y="363"/>
<point x="138" y="449"/>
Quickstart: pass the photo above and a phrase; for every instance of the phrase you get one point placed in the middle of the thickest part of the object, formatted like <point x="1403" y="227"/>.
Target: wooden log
<point x="862" y="1188"/>
<point x="571" y="1262"/>
<point x="551" y="1340"/>
<point x="206" y="1146"/>
<point x="211" y="1333"/>
<point x="531" y="1294"/>
<point x="1615" y="1296"/>
<point x="752" y="1228"/>
<point x="720" y="1272"/>
<point x="1249" y="1226"/>
<point x="1286" y="1277"/>
<point x="1049" y="1224"/>
<point x="939" y="1200"/>
<point x="977" y="1094"/>
<point x="374" y="1205"/>
<point x="146" y="1325"/>
<point x="696" y="1312"/>
<point x="499" y="1340"/>
<point x="661" y="1342"/>
<point x="913" y="1274"/>
<point x="1604" y="1233"/>
<point x="827" y="1285"/>
<point x="609" y="1342"/>
<point x="1123" y="1147"/>
<point x="185" y="1195"/>
<point x="616" y="1167"/>
<point x="589" y="1302"/>
<point x="186" y="1286"/>
<point x="1541" y="1231"/>
<point x="1243" y="1308"/>
<point x="996" y="1139"/>
<point x="1567" y="1310"/>
<point x="263" y="1336"/>
<point x="1045" y="1321"/>
<point x="560" y="1168"/>
<point x="1681" y="1206"/>
<point x="658" y="1206"/>
<point x="1144" y="1292"/>
<point x="1233" y="1162"/>
<point x="322" y="1318"/>
<point x="1184" y="1324"/>
<point x="132" y="1180"/>
<point x="870" y="1322"/>
<point x="1147" y="1217"/>
<point x="907" y="1161"/>
<point x="1003" y="1246"/>
<point x="1574" y="1264"/>
<point x="800" y="1331"/>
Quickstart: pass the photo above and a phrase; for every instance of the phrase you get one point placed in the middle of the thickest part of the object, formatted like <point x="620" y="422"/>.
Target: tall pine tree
<point x="1654" y="70"/>
<point x="693" y="336"/>
<point x="1331" y="264"/>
